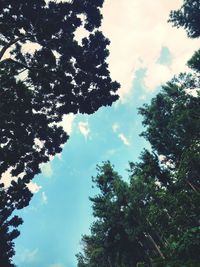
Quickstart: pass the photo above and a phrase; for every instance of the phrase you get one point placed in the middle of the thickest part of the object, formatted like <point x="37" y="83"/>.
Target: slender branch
<point x="192" y="186"/>
<point x="156" y="246"/>
<point x="3" y="50"/>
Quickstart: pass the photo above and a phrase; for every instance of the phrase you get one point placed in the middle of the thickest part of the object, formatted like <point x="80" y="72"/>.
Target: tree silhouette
<point x="58" y="76"/>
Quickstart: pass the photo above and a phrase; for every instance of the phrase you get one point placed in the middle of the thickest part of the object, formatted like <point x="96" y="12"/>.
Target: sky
<point x="145" y="52"/>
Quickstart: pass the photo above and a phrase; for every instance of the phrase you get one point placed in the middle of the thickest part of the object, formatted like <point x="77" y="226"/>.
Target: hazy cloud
<point x="84" y="128"/>
<point x="46" y="169"/>
<point x="27" y="255"/>
<point x="44" y="198"/>
<point x="115" y="127"/>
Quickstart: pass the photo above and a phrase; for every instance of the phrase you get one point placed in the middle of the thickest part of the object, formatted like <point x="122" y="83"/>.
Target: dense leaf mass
<point x="46" y="73"/>
<point x="187" y="17"/>
<point x="58" y="77"/>
<point x="172" y="118"/>
<point x="153" y="220"/>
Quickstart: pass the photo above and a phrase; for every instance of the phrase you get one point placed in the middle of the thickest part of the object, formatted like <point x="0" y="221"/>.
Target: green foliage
<point x="188" y="17"/>
<point x="153" y="220"/>
<point x="172" y="119"/>
<point x="194" y="62"/>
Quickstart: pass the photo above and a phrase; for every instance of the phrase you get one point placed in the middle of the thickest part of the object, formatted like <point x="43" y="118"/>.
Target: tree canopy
<point x="45" y="73"/>
<point x="152" y="220"/>
<point x="59" y="77"/>
<point x="187" y="17"/>
<point x="172" y="119"/>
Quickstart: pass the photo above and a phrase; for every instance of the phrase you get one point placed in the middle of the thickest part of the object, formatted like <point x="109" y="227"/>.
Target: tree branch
<point x="16" y="62"/>
<point x="3" y="50"/>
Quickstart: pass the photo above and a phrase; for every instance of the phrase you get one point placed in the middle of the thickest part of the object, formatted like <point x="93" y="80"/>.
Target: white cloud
<point x="44" y="198"/>
<point x="115" y="127"/>
<point x="84" y="128"/>
<point x="67" y="122"/>
<point x="46" y="169"/>
<point x="33" y="187"/>
<point x="137" y="35"/>
<point x="124" y="139"/>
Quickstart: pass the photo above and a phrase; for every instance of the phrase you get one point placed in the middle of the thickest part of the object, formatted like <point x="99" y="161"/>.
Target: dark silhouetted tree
<point x="58" y="76"/>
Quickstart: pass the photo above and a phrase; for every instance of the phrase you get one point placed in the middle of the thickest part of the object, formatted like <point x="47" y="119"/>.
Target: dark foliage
<point x="188" y="17"/>
<point x="60" y="76"/>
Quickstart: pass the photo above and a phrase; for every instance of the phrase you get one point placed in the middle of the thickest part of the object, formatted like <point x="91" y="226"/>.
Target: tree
<point x="154" y="219"/>
<point x="59" y="76"/>
<point x="188" y="17"/>
<point x="108" y="240"/>
<point x="172" y="119"/>
<point x="172" y="123"/>
<point x="120" y="237"/>
<point x="194" y="62"/>
<point x="12" y="198"/>
<point x="146" y="222"/>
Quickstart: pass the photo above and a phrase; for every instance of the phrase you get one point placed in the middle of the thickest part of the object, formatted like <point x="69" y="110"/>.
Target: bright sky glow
<point x="138" y="31"/>
<point x="145" y="52"/>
